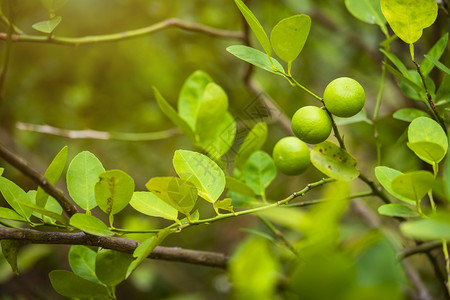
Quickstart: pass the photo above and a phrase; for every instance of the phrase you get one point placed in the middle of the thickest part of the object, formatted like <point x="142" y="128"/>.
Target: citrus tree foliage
<point x="222" y="164"/>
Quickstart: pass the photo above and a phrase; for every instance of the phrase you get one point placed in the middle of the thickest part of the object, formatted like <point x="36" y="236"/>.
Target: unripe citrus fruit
<point x="291" y="156"/>
<point x="344" y="97"/>
<point x="311" y="124"/>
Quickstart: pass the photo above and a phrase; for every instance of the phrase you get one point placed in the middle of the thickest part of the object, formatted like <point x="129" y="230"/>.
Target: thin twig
<point x="205" y="258"/>
<point x="420" y="248"/>
<point x="99" y="135"/>
<point x="278" y="234"/>
<point x="377" y="192"/>
<point x="76" y="41"/>
<point x="23" y="166"/>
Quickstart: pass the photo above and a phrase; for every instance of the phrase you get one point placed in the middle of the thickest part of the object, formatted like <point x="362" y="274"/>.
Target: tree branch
<point x="420" y="248"/>
<point x="23" y="166"/>
<point x="204" y="258"/>
<point x="76" y="41"/>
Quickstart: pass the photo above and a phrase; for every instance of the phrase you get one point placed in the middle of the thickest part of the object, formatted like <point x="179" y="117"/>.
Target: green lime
<point x="291" y="156"/>
<point x="344" y="97"/>
<point x="311" y="124"/>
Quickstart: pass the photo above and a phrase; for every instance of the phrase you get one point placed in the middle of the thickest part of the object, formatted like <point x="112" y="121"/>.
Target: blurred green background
<point x="107" y="87"/>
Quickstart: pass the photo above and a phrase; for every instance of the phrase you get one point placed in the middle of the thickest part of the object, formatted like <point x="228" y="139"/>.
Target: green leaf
<point x="443" y="93"/>
<point x="70" y="285"/>
<point x="289" y="36"/>
<point x="42" y="211"/>
<point x="446" y="177"/>
<point x="173" y="115"/>
<point x="438" y="64"/>
<point x="114" y="190"/>
<point x="178" y="193"/>
<point x="144" y="249"/>
<point x="385" y="175"/>
<point x="368" y="11"/>
<point x="51" y="205"/>
<point x="239" y="186"/>
<point x="256" y="58"/>
<point x="436" y="53"/>
<point x="397" y="210"/>
<point x="111" y="266"/>
<point x="204" y="173"/>
<point x="428" y="228"/>
<point x="429" y="152"/>
<point x="149" y="204"/>
<point x="405" y="80"/>
<point x="6" y="213"/>
<point x="408" y="18"/>
<point x="424" y="130"/>
<point x="13" y="194"/>
<point x="219" y="138"/>
<point x="397" y="63"/>
<point x="52" y="174"/>
<point x="259" y="171"/>
<point x="90" y="224"/>
<point x="10" y="250"/>
<point x="334" y="162"/>
<point x="413" y="185"/>
<point x="81" y="177"/>
<point x="224" y="204"/>
<point x="190" y="96"/>
<point x="82" y="262"/>
<point x="409" y="114"/>
<point x="47" y="26"/>
<point x="255" y="26"/>
<point x="1" y="171"/>
<point x="211" y="110"/>
<point x="254" y="140"/>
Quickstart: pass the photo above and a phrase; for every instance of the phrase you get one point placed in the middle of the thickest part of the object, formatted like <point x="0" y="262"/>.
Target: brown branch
<point x="75" y="41"/>
<point x="23" y="166"/>
<point x="204" y="258"/>
<point x="420" y="248"/>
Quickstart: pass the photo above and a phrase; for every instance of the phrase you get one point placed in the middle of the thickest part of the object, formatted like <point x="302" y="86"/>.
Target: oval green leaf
<point x="408" y="18"/>
<point x="397" y="210"/>
<point x="368" y="11"/>
<point x="81" y="177"/>
<point x="409" y="114"/>
<point x="259" y="172"/>
<point x="334" y="162"/>
<point x="289" y="36"/>
<point x="10" y="250"/>
<point x="211" y="110"/>
<point x="254" y="140"/>
<point x="435" y="53"/>
<point x="90" y="224"/>
<point x="218" y="139"/>
<point x="429" y="152"/>
<point x="178" y="193"/>
<point x="6" y="213"/>
<point x="149" y="204"/>
<point x="114" y="190"/>
<point x="426" y="229"/>
<point x="13" y="194"/>
<point x="424" y="129"/>
<point x="238" y="186"/>
<point x="82" y="262"/>
<point x="413" y="185"/>
<point x="256" y="58"/>
<point x="256" y="27"/>
<point x="203" y="172"/>
<point x="47" y="26"/>
<point x="385" y="175"/>
<point x="70" y="285"/>
<point x="111" y="266"/>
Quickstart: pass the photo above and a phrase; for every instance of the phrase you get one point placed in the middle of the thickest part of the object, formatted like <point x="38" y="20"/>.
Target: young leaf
<point x="438" y="64"/>
<point x="430" y="135"/>
<point x="13" y="194"/>
<point x="427" y="229"/>
<point x="47" y="26"/>
<point x="409" y="114"/>
<point x="190" y="96"/>
<point x="178" y="193"/>
<point x="70" y="285"/>
<point x="111" y="266"/>
<point x="114" y="190"/>
<point x="51" y="205"/>
<point x="204" y="173"/>
<point x="239" y="186"/>
<point x="255" y="26"/>
<point x="224" y="204"/>
<point x="398" y="63"/>
<point x="42" y="211"/>
<point x="385" y="175"/>
<point x="256" y="58"/>
<point x="436" y="53"/>
<point x="413" y="185"/>
<point x="144" y="249"/>
<point x="408" y="18"/>
<point x="82" y="262"/>
<point x="289" y="36"/>
<point x="334" y="162"/>
<point x="218" y="139"/>
<point x="368" y="11"/>
<point x="259" y="171"/>
<point x="10" y="249"/>
<point x="254" y="140"/>
<point x="149" y="204"/>
<point x="81" y="177"/>
<point x="429" y="152"/>
<point x="173" y="115"/>
<point x="211" y="110"/>
<point x="397" y="210"/>
<point x="52" y="174"/>
<point x="6" y="213"/>
<point x="90" y="224"/>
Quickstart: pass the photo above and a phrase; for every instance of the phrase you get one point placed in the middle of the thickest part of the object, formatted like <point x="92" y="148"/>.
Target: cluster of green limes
<point x="343" y="97"/>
